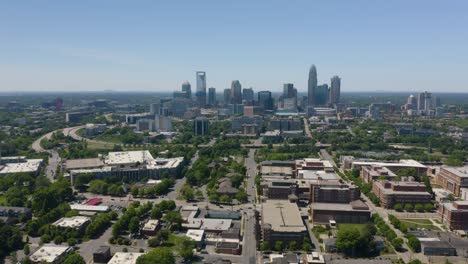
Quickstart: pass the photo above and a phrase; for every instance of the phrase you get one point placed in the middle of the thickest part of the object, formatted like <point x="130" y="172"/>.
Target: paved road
<point x="307" y="128"/>
<point x="249" y="247"/>
<point x="54" y="158"/>
<point x="72" y="132"/>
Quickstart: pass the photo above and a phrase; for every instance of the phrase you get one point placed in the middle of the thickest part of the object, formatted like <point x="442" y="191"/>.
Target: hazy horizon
<point x="391" y="46"/>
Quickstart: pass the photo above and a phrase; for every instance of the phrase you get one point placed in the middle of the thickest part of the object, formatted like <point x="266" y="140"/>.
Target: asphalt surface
<point x="249" y="247"/>
<point x="54" y="158"/>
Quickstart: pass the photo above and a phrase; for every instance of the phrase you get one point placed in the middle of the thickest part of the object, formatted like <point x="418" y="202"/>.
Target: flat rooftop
<point x="401" y="163"/>
<point x="49" y="253"/>
<point x="31" y="165"/>
<point x="151" y="225"/>
<point x="124" y="258"/>
<point x="347" y="207"/>
<point x="459" y="171"/>
<point x="91" y="208"/>
<point x="282" y="216"/>
<point x="316" y="175"/>
<point x="83" y="163"/>
<point x="195" y="235"/>
<point x="128" y="157"/>
<point x="71" y="222"/>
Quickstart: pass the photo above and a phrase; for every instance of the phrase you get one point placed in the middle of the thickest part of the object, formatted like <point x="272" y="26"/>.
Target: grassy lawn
<point x="359" y="227"/>
<point x="418" y="223"/>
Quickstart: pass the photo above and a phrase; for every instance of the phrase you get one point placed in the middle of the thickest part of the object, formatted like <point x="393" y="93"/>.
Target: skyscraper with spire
<point x="311" y="86"/>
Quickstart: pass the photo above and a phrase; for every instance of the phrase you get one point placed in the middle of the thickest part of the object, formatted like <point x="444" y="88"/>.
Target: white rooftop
<point x="71" y="222"/>
<point x="315" y="175"/>
<point x="151" y="225"/>
<point x="129" y="157"/>
<point x="282" y="216"/>
<point x="124" y="258"/>
<point x="31" y="165"/>
<point x="195" y="235"/>
<point x="49" y="253"/>
<point x="91" y="208"/>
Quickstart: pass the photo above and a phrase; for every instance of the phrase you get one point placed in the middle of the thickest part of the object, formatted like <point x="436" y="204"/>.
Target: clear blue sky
<point x="374" y="45"/>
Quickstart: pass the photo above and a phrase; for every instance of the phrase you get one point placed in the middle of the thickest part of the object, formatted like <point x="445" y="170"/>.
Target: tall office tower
<point x="335" y="90"/>
<point x="248" y="94"/>
<point x="321" y="95"/>
<point x="425" y="101"/>
<point x="187" y="88"/>
<point x="412" y="103"/>
<point x="201" y="89"/>
<point x="179" y="94"/>
<point x="236" y="92"/>
<point x="265" y="100"/>
<point x="288" y="100"/>
<point x="289" y="91"/>
<point x="212" y="96"/>
<point x="155" y="107"/>
<point x="312" y="85"/>
<point x="200" y="126"/>
<point x="227" y="96"/>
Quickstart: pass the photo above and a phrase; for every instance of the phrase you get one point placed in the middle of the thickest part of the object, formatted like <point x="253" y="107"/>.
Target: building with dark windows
<point x="227" y="96"/>
<point x="201" y="89"/>
<point x="248" y="94"/>
<point x="200" y="126"/>
<point x="236" y="92"/>
<point x="187" y="88"/>
<point x="335" y="90"/>
<point x="265" y="100"/>
<point x="312" y="86"/>
<point x="321" y="95"/>
<point x="212" y="97"/>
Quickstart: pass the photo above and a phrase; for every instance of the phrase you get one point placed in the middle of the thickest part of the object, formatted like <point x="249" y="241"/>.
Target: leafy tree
<point x="415" y="261"/>
<point x="134" y="225"/>
<point x="157" y="256"/>
<point x="26" y="249"/>
<point x="428" y="207"/>
<point x="398" y="207"/>
<point x="185" y="249"/>
<point x="408" y="207"/>
<point x="293" y="245"/>
<point x="419" y="207"/>
<point x="242" y="196"/>
<point x="397" y="243"/>
<point x="174" y="218"/>
<point x="414" y="243"/>
<point x="279" y="246"/>
<point x="74" y="258"/>
<point x="264" y="246"/>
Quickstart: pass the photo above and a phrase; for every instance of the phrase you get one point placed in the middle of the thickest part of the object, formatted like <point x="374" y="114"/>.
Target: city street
<point x="249" y="249"/>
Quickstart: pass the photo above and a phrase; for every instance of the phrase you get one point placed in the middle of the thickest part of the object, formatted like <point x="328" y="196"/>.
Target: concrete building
<point x="79" y="223"/>
<point x="212" y="97"/>
<point x="278" y="168"/>
<point x="253" y="110"/>
<point x="187" y="88"/>
<point x="350" y="162"/>
<point x="236" y="92"/>
<point x="371" y="173"/>
<point x="125" y="258"/>
<point x="353" y="212"/>
<point x="200" y="126"/>
<point x="50" y="253"/>
<point x="265" y="100"/>
<point x="453" y="179"/>
<point x="333" y="192"/>
<point x="285" y="124"/>
<point x="403" y="192"/>
<point x="248" y="94"/>
<point x="437" y="248"/>
<point x="131" y="164"/>
<point x="247" y="124"/>
<point x="150" y="227"/>
<point x="94" y="129"/>
<point x="201" y="89"/>
<point x="76" y="117"/>
<point x="197" y="236"/>
<point x="454" y="214"/>
<point x="335" y="90"/>
<point x="19" y="164"/>
<point x="102" y="254"/>
<point x="281" y="221"/>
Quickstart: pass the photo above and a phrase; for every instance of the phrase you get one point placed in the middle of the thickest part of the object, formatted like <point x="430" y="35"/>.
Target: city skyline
<point x="157" y="46"/>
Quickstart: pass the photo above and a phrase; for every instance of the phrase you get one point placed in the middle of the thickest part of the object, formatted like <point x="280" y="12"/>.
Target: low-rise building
<point x="402" y="192"/>
<point x="454" y="214"/>
<point x="197" y="236"/>
<point x="372" y="173"/>
<point x="12" y="165"/>
<point x="78" y="223"/>
<point x="102" y="254"/>
<point x="437" y="248"/>
<point x="453" y="179"/>
<point x="50" y="253"/>
<point x="9" y="212"/>
<point x="150" y="227"/>
<point x="281" y="221"/>
<point x="353" y="212"/>
<point x="125" y="258"/>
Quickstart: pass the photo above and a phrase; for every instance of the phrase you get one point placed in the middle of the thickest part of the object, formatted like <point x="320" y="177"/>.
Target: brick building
<point x="453" y="179"/>
<point x="454" y="214"/>
<point x="403" y="192"/>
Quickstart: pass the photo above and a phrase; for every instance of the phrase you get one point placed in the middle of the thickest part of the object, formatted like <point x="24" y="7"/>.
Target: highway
<point x="249" y="246"/>
<point x="54" y="158"/>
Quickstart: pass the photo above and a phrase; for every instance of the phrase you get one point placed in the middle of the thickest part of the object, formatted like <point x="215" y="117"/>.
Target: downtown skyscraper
<point x="201" y="88"/>
<point x="335" y="90"/>
<point x="236" y="92"/>
<point x="311" y="86"/>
